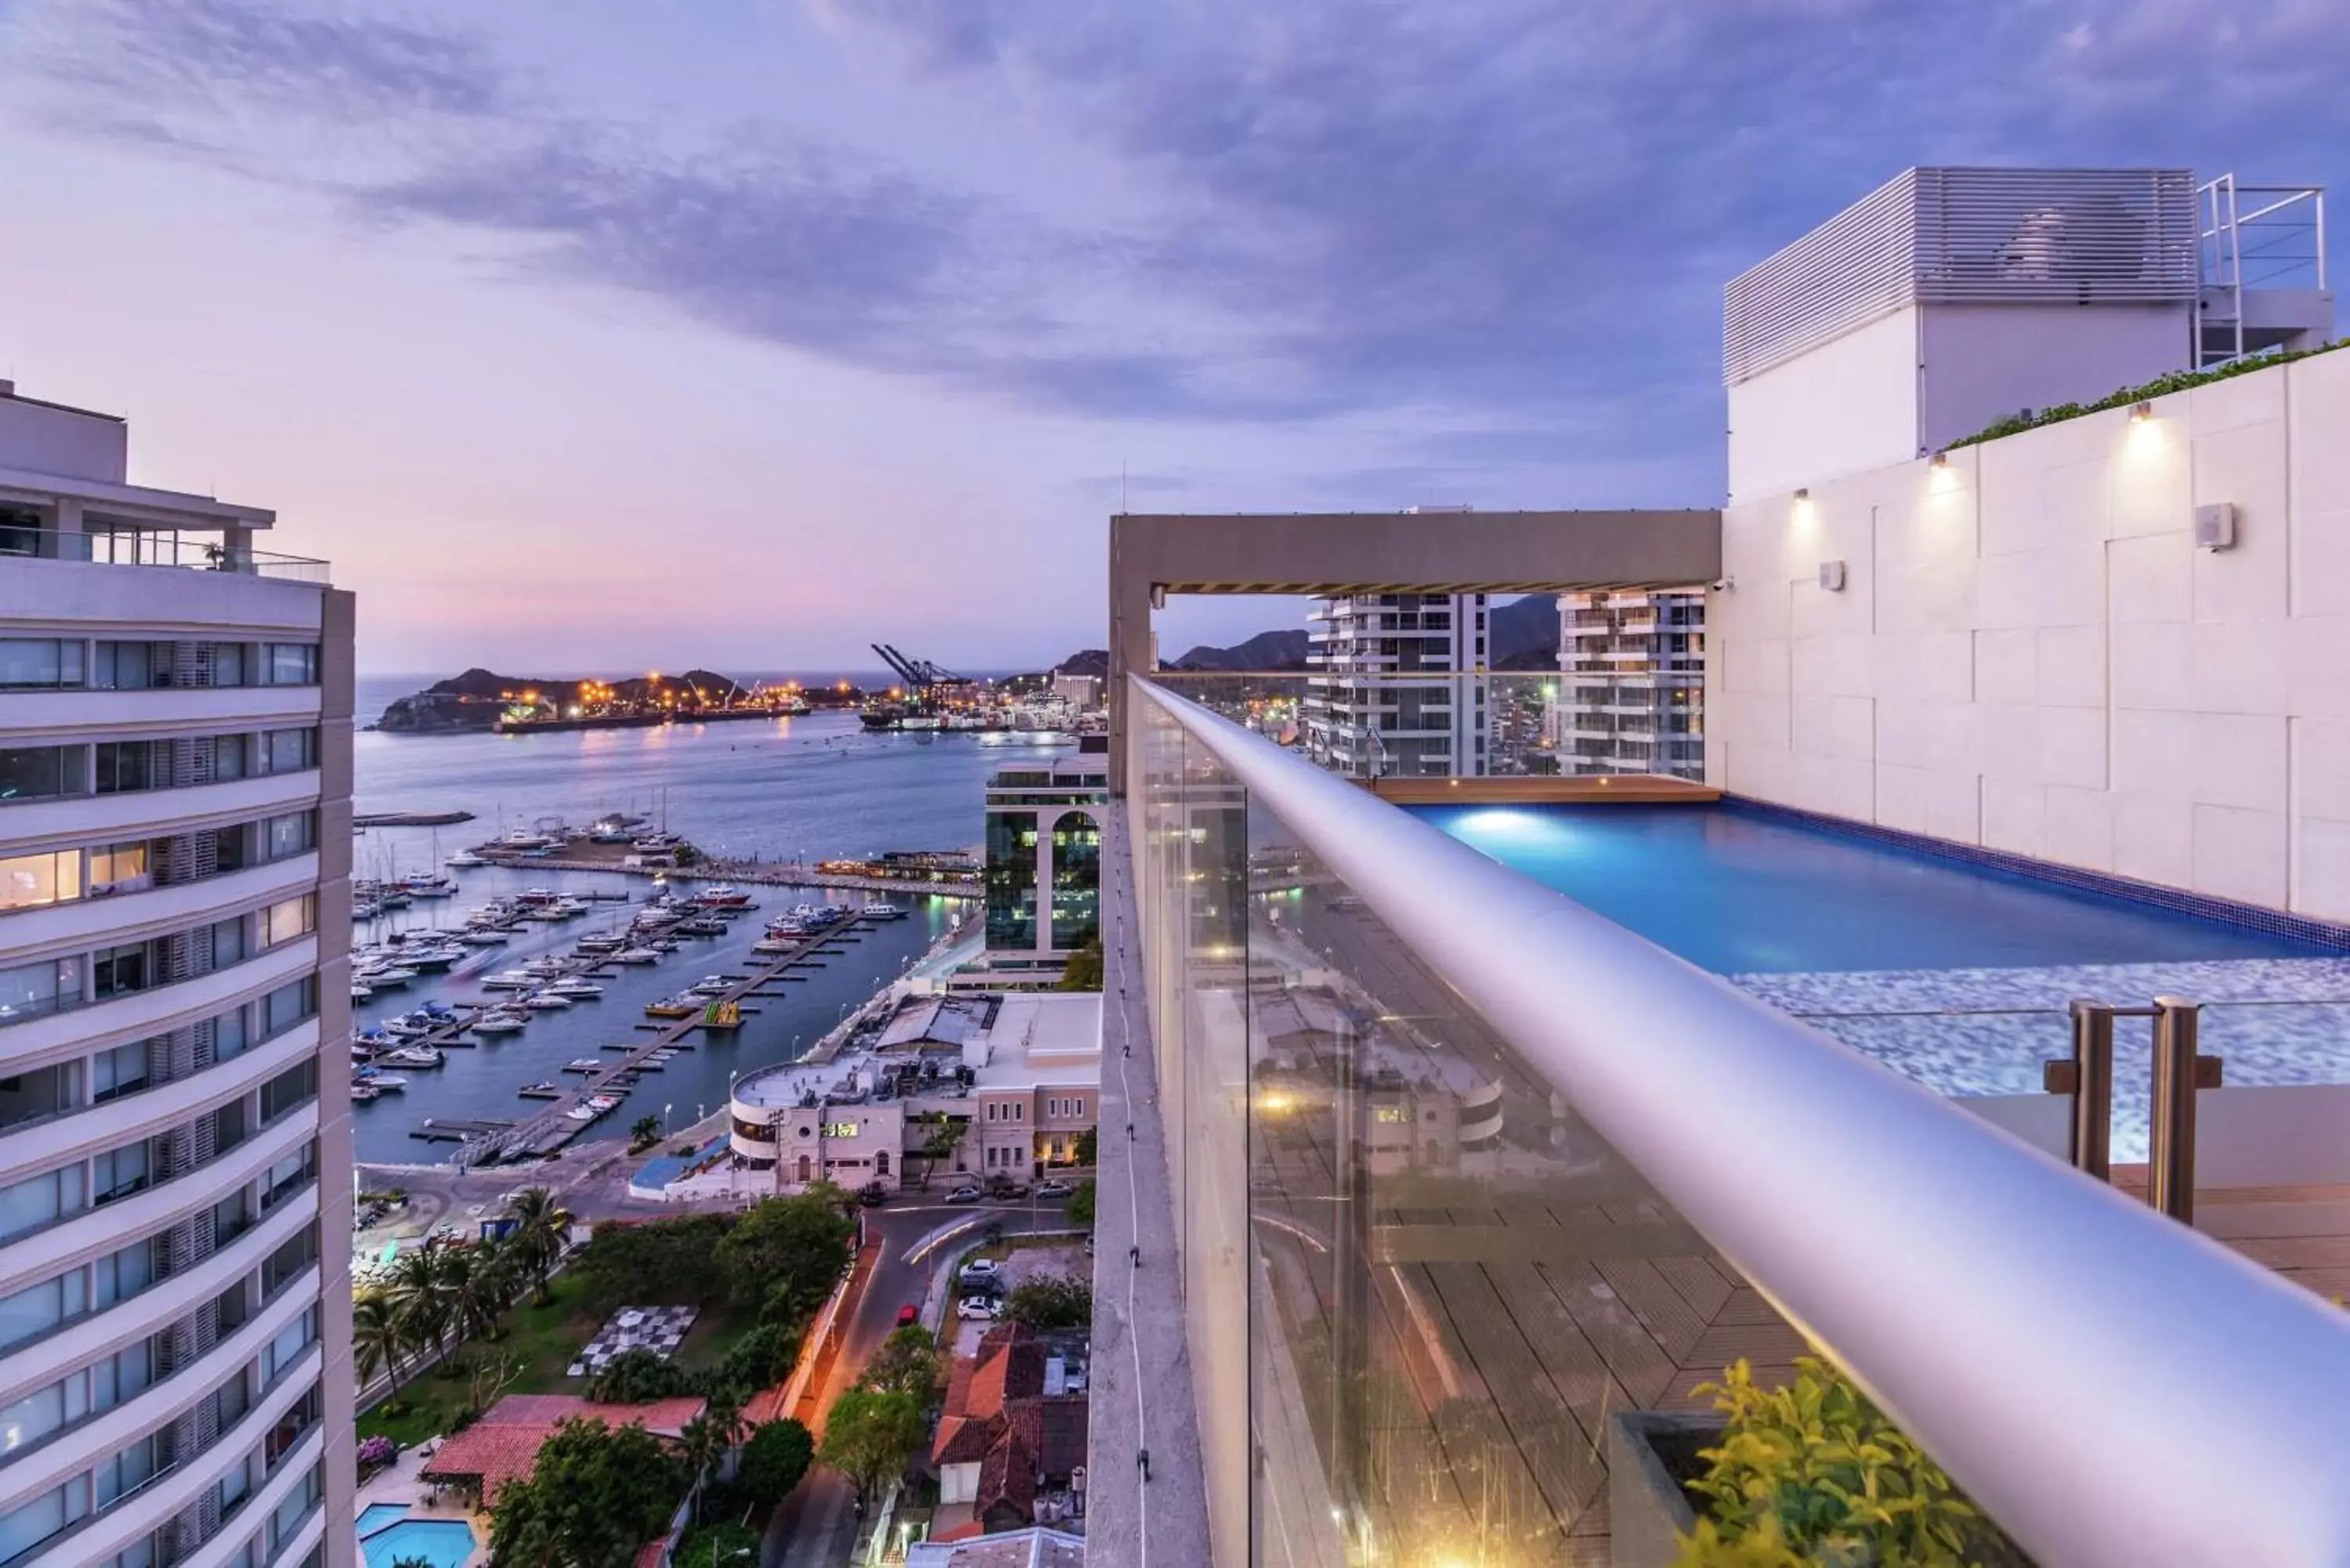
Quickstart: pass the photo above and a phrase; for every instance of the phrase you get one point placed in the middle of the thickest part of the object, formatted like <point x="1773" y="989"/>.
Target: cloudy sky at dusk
<point x="588" y="334"/>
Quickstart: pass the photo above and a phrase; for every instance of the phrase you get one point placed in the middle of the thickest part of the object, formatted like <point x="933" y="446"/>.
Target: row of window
<point x="1014" y="1111"/>
<point x="72" y="663"/>
<point x="66" y="876"/>
<point x="58" y="984"/>
<point x="1072" y="1106"/>
<point x="126" y="767"/>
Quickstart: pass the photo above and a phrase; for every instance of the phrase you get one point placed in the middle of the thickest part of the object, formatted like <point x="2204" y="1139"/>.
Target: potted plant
<point x="1810" y="1473"/>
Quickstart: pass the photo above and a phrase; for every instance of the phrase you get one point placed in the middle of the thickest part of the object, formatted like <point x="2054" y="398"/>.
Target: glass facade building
<point x="1043" y="874"/>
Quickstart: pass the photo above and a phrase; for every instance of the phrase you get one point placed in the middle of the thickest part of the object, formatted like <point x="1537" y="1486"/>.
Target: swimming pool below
<point x="438" y="1543"/>
<point x="1739" y="892"/>
<point x="376" y="1515"/>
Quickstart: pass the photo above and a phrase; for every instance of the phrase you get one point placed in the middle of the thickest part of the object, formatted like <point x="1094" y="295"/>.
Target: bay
<point x="810" y="787"/>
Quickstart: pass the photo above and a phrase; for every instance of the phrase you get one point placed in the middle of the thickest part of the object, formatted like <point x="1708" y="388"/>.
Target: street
<point x="815" y="1527"/>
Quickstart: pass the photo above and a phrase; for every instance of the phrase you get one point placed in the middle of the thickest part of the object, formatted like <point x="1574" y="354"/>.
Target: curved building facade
<point x="175" y="1168"/>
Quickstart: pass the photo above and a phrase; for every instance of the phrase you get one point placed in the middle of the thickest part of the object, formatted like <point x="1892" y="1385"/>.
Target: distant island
<point x="476" y="701"/>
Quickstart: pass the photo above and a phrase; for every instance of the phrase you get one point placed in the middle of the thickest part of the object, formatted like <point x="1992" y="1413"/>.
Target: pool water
<point x="1744" y="892"/>
<point x="376" y="1515"/>
<point x="442" y="1542"/>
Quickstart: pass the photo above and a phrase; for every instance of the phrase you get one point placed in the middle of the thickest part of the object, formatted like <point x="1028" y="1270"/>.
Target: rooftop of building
<point x="1041" y="1039"/>
<point x="503" y="1445"/>
<point x="1035" y="1547"/>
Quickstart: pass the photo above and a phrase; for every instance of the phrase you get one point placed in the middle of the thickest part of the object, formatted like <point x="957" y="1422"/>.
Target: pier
<point x="410" y="818"/>
<point x="758" y="873"/>
<point x="548" y="1130"/>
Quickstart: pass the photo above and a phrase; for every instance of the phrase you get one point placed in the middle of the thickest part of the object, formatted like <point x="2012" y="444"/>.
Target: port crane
<point x="920" y="674"/>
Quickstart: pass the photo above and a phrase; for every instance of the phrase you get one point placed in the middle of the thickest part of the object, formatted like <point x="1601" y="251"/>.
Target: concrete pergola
<point x="1152" y="556"/>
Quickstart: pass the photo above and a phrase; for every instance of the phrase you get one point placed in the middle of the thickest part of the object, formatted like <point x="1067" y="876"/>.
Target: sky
<point x="589" y="336"/>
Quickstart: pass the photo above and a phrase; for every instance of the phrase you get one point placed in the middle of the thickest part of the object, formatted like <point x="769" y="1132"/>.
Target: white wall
<point x="2032" y="654"/>
<point x="43" y="440"/>
<point x="1983" y="362"/>
<point x="1848" y="405"/>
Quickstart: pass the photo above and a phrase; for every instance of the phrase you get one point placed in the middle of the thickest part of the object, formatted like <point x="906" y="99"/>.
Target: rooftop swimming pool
<point x="1740" y="891"/>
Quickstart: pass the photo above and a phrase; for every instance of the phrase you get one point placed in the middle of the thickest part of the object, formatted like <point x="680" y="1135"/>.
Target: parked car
<point x="909" y="1315"/>
<point x="965" y="1194"/>
<point x="873" y="1195"/>
<point x="1054" y="1188"/>
<point x="985" y="1308"/>
<point x="980" y="1270"/>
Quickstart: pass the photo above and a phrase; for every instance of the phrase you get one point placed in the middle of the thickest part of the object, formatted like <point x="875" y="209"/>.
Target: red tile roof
<point x="504" y="1444"/>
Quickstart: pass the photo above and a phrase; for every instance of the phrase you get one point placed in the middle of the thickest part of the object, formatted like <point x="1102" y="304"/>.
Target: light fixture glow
<point x="1939" y="459"/>
<point x="2141" y="413"/>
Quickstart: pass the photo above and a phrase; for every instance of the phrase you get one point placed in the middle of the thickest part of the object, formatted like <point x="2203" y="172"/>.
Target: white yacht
<point x="498" y="1021"/>
<point x="464" y="861"/>
<point x="575" y="987"/>
<point x="545" y="1001"/>
<point x="509" y="980"/>
<point x="637" y="955"/>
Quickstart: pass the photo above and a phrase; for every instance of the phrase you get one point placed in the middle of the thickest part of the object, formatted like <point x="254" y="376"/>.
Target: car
<point x="984" y="1308"/>
<point x="980" y="1269"/>
<point x="1054" y="1188"/>
<point x="909" y="1315"/>
<point x="965" y="1194"/>
<point x="873" y="1195"/>
<point x="1089" y="1244"/>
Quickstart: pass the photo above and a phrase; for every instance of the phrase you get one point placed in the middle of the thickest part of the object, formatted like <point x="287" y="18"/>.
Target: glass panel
<point x="39" y="1200"/>
<point x="121" y="766"/>
<point x="1076" y="881"/>
<point x="34" y="989"/>
<point x="29" y="881"/>
<point x="37" y="1091"/>
<point x="118" y="867"/>
<point x="37" y="1309"/>
<point x="40" y="772"/>
<point x="1011" y="880"/>
<point x="293" y="663"/>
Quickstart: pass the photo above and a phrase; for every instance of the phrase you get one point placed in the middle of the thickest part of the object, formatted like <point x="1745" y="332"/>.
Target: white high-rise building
<point x="1632" y="700"/>
<point x="175" y="1155"/>
<point x="1398" y="687"/>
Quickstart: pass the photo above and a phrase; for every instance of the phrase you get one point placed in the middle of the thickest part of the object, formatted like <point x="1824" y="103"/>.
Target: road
<point x="815" y="1527"/>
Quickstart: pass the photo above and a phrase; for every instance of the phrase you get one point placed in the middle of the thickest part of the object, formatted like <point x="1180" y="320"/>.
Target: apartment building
<point x="1395" y="686"/>
<point x="1043" y="872"/>
<point x="1632" y="697"/>
<point x="175" y="1164"/>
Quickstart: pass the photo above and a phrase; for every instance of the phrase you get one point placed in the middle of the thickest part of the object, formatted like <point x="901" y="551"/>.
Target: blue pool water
<point x="442" y="1542"/>
<point x="1742" y="892"/>
<point x="376" y="1515"/>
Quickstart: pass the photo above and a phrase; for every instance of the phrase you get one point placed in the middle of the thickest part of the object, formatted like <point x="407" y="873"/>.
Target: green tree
<point x="1089" y="1147"/>
<point x="869" y="1437"/>
<point x="636" y="1377"/>
<point x="379" y="1341"/>
<point x="628" y="1262"/>
<point x="644" y="1134"/>
<point x="775" y="1461"/>
<point x="907" y="1363"/>
<point x="722" y="1543"/>
<point x="789" y="1253"/>
<point x="594" y="1496"/>
<point x="704" y="1441"/>
<point x="758" y="1360"/>
<point x="1051" y="1301"/>
<point x="1080" y="1207"/>
<point x="417" y="1303"/>
<point x="1084" y="969"/>
<point x="542" y="1230"/>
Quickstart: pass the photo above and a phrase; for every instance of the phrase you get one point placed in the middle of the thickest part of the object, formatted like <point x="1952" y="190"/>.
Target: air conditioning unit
<point x="2215" y="526"/>
<point x="1832" y="576"/>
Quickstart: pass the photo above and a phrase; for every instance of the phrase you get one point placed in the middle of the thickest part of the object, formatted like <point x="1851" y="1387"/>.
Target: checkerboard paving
<point x="659" y="1329"/>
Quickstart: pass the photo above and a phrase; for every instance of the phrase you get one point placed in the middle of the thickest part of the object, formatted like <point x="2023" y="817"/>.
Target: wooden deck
<point x="1605" y="789"/>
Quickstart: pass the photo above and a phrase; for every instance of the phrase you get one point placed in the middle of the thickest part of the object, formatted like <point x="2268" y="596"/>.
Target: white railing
<point x="2114" y="1389"/>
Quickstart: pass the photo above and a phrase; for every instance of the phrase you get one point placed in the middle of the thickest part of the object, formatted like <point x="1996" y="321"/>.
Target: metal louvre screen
<point x="1969" y="236"/>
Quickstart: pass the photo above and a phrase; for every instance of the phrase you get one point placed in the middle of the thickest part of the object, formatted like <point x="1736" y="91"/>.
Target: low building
<point x="503" y="1445"/>
<point x="1003" y="1086"/>
<point x="1011" y="1444"/>
<point x="1035" y="1547"/>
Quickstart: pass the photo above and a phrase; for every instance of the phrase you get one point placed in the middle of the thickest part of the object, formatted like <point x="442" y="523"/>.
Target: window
<point x="230" y="1035"/>
<point x="290" y="751"/>
<point x="39" y="664"/>
<point x="292" y="1172"/>
<point x="42" y="772"/>
<point x="40" y="1201"/>
<point x="131" y="1468"/>
<point x="289" y="1261"/>
<point x="228" y="664"/>
<point x="33" y="989"/>
<point x="121" y="766"/>
<point x="290" y="663"/>
<point x="31" y="881"/>
<point x="38" y="1092"/>
<point x="230" y="1215"/>
<point x="37" y="1309"/>
<point x="840" y="1130"/>
<point x="118" y="971"/>
<point x="288" y="1005"/>
<point x="292" y="918"/>
<point x="29" y="1524"/>
<point x="287" y="1347"/>
<point x="117" y="1173"/>
<point x="123" y="1273"/>
<point x="295" y="833"/>
<point x="130" y="666"/>
<point x="117" y="867"/>
<point x="292" y="1087"/>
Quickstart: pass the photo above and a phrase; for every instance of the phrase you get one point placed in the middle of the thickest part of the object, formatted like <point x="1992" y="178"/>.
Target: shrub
<point x="722" y="1540"/>
<point x="775" y="1461"/>
<point x="1814" y="1473"/>
<point x="1051" y="1301"/>
<point x="1080" y="1209"/>
<point x="634" y="1376"/>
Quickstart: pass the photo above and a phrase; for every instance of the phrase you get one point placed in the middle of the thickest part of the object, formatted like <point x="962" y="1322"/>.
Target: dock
<point x="410" y="818"/>
<point x="548" y="1130"/>
<point x="758" y="873"/>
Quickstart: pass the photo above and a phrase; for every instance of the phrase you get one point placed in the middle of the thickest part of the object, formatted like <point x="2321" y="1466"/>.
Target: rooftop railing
<point x="139" y="549"/>
<point x="2111" y="1386"/>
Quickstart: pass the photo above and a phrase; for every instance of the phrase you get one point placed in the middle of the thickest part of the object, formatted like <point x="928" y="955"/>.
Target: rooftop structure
<point x="175" y="716"/>
<point x="1432" y="1174"/>
<point x="1035" y="1547"/>
<point x="502" y="1444"/>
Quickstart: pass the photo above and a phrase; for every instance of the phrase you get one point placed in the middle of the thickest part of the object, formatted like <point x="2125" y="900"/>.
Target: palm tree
<point x="647" y="1131"/>
<point x="541" y="1232"/>
<point x="379" y="1339"/>
<point x="706" y="1438"/>
<point x="416" y="1299"/>
<point x="466" y="1278"/>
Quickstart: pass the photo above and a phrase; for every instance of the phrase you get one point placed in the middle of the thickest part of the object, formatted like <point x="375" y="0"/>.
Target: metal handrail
<point x="2114" y="1388"/>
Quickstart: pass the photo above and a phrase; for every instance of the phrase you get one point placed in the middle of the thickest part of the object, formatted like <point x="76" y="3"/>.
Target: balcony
<point x="29" y="718"/>
<point x="1416" y="1358"/>
<point x="165" y="550"/>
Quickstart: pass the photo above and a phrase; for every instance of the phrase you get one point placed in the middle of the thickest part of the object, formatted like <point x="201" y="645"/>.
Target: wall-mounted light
<point x="1939" y="459"/>
<point x="1832" y="576"/>
<point x="2141" y="413"/>
<point x="1803" y="496"/>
